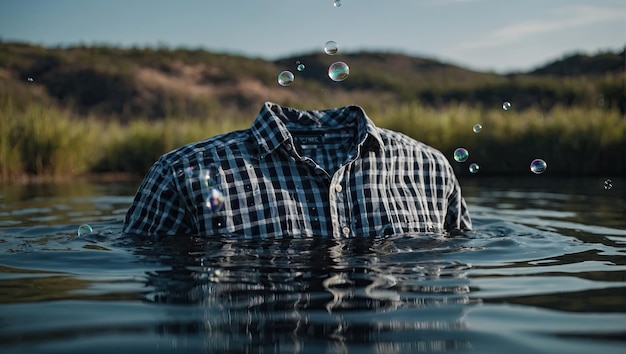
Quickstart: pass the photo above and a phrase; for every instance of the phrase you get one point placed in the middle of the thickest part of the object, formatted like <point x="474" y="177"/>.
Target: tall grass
<point x="44" y="141"/>
<point x="574" y="141"/>
<point x="135" y="147"/>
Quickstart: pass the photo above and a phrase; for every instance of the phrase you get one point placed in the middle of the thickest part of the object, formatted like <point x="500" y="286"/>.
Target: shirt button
<point x="346" y="231"/>
<point x="338" y="188"/>
<point x="288" y="146"/>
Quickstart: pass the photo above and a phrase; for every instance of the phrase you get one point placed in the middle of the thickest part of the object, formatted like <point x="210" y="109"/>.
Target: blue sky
<point x="499" y="35"/>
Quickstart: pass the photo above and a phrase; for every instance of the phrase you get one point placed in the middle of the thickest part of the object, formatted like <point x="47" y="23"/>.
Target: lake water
<point x="544" y="271"/>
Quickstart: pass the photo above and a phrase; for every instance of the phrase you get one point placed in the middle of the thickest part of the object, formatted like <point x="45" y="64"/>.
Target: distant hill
<point x="125" y="83"/>
<point x="391" y="71"/>
<point x="582" y="64"/>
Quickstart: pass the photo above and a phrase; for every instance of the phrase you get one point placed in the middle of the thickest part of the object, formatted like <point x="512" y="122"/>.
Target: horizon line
<point x="237" y="53"/>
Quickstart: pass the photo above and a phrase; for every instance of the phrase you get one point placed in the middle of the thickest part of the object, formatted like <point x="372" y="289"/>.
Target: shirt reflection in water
<point x="386" y="294"/>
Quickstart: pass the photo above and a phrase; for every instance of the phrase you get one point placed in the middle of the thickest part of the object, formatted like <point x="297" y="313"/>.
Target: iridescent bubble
<point x="26" y="247"/>
<point x="337" y="3"/>
<point x="538" y="166"/>
<point x="285" y="78"/>
<point x="338" y="71"/>
<point x="215" y="201"/>
<point x="460" y="155"/>
<point x="601" y="102"/>
<point x="209" y="178"/>
<point x="214" y="173"/>
<point x="84" y="229"/>
<point x="506" y="106"/>
<point x="331" y="48"/>
<point x="301" y="67"/>
<point x="205" y="178"/>
<point x="189" y="171"/>
<point x="608" y="184"/>
<point x="473" y="168"/>
<point x="477" y="128"/>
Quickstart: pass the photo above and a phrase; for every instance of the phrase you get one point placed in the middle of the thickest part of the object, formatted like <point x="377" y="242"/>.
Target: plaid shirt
<point x="300" y="174"/>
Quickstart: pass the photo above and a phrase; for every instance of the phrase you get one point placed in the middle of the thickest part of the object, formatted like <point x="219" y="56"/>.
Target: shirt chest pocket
<point x="402" y="208"/>
<point x="259" y="212"/>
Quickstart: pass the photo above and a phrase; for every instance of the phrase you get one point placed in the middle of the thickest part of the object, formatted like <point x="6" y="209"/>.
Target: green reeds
<point x="135" y="147"/>
<point x="42" y="140"/>
<point x="574" y="141"/>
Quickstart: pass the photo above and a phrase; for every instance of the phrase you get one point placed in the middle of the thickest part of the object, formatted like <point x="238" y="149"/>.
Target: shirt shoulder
<point x="212" y="146"/>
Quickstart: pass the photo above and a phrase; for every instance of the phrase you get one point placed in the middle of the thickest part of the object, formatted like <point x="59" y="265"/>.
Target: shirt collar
<point x="271" y="126"/>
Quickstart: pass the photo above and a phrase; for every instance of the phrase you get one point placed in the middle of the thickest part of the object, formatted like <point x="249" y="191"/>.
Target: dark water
<point x="543" y="272"/>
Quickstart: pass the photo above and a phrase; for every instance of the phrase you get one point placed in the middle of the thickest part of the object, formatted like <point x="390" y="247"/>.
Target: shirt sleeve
<point x="457" y="214"/>
<point x="157" y="208"/>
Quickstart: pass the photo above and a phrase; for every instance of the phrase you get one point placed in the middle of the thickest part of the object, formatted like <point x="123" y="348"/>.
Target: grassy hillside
<point x="66" y="111"/>
<point x="156" y="83"/>
<point x="583" y="64"/>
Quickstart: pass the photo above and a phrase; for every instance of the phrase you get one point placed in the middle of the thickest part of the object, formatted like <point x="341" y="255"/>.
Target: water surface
<point x="543" y="272"/>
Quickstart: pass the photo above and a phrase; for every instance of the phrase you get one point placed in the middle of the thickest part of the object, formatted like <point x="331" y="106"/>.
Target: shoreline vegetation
<point x="44" y="143"/>
<point x="108" y="113"/>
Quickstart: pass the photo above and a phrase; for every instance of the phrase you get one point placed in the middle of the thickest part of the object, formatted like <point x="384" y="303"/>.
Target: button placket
<point x="339" y="213"/>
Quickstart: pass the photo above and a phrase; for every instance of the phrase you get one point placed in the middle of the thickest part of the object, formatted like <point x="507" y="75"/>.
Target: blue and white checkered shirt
<point x="301" y="174"/>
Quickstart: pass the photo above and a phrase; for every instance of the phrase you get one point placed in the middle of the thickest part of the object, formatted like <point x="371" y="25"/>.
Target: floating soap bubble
<point x="331" y="48"/>
<point x="208" y="178"/>
<point x="601" y="102"/>
<point x="213" y="176"/>
<point x="285" y="78"/>
<point x="338" y="71"/>
<point x="460" y="155"/>
<point x="190" y="172"/>
<point x="608" y="184"/>
<point x="300" y="67"/>
<point x="473" y="168"/>
<point x="337" y="3"/>
<point x="84" y="229"/>
<point x="205" y="178"/>
<point x="215" y="201"/>
<point x="538" y="166"/>
<point x="26" y="247"/>
<point x="477" y="128"/>
<point x="506" y="106"/>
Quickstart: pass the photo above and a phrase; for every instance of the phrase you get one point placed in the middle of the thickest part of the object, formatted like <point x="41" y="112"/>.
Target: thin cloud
<point x="562" y="18"/>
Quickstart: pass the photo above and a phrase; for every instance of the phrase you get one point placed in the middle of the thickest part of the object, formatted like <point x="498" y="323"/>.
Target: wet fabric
<point x="323" y="173"/>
